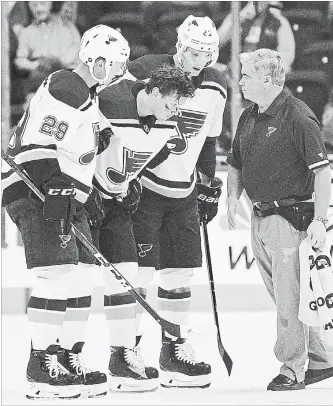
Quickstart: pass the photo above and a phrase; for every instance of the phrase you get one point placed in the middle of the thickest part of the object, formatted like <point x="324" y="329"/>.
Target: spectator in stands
<point x="327" y="124"/>
<point x="262" y="26"/>
<point x="49" y="43"/>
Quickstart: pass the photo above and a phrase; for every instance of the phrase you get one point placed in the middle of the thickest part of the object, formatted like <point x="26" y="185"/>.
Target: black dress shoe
<point x="282" y="382"/>
<point x="317" y="375"/>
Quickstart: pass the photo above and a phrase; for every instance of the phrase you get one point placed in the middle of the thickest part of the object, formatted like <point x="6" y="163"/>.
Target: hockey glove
<point x="208" y="199"/>
<point x="59" y="207"/>
<point x="130" y="202"/>
<point x="104" y="139"/>
<point x="95" y="209"/>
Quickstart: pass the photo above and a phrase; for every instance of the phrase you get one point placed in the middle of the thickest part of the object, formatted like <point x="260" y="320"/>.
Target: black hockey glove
<point x="59" y="206"/>
<point x="95" y="209"/>
<point x="130" y="202"/>
<point x="208" y="199"/>
<point x="104" y="139"/>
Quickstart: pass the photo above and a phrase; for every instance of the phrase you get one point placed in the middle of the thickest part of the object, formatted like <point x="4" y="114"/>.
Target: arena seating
<point x="312" y="87"/>
<point x="130" y="24"/>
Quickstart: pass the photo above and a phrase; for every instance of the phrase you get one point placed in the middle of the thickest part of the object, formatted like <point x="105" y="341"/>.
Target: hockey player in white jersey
<point x="55" y="143"/>
<point x="167" y="221"/>
<point x="137" y="112"/>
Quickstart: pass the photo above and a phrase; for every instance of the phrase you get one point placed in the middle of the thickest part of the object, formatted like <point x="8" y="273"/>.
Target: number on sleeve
<point x="54" y="128"/>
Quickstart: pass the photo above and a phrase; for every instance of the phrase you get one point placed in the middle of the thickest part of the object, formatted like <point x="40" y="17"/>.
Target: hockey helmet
<point x="105" y="42"/>
<point x="200" y="34"/>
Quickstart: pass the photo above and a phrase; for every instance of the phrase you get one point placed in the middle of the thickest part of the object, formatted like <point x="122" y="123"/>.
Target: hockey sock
<point x="76" y="318"/>
<point x="120" y="307"/>
<point x="47" y="304"/>
<point x="174" y="305"/>
<point x="174" y="294"/>
<point x="142" y="282"/>
<point x="78" y="306"/>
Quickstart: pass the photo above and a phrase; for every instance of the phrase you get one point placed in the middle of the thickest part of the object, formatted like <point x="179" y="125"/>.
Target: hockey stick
<point x="224" y="355"/>
<point x="171" y="328"/>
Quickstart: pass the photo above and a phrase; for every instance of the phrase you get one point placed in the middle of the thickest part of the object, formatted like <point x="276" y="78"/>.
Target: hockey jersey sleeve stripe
<point x="214" y="86"/>
<point x="9" y="178"/>
<point x="36" y="152"/>
<point x="319" y="164"/>
<point x="168" y="183"/>
<point x="86" y="107"/>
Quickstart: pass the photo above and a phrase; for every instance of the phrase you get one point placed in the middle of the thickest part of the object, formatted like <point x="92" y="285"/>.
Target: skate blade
<point x="122" y="384"/>
<point x="45" y="391"/>
<point x="94" y="391"/>
<point x="177" y="380"/>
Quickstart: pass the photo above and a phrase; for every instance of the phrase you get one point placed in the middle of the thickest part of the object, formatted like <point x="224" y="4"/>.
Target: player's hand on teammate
<point x="209" y="194"/>
<point x="317" y="234"/>
<point x="94" y="208"/>
<point x="232" y="211"/>
<point x="104" y="139"/>
<point x="59" y="207"/>
<point x="131" y="201"/>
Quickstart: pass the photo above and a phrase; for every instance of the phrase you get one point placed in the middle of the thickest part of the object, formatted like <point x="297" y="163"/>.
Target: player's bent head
<point x="170" y="80"/>
<point x="266" y="63"/>
<point x="167" y="89"/>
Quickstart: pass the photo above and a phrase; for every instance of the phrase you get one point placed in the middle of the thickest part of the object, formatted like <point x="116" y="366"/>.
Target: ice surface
<point x="248" y="337"/>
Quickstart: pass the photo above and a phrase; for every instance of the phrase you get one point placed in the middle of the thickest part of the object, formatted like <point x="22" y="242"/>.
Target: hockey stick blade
<point x="223" y="353"/>
<point x="171" y="328"/>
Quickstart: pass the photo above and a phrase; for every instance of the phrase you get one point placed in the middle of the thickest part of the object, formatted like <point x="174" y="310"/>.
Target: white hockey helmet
<point x="105" y="42"/>
<point x="200" y="34"/>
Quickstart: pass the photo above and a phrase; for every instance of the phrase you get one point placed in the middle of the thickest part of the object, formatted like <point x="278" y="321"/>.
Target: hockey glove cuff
<point x="59" y="206"/>
<point x="208" y="199"/>
<point x="131" y="201"/>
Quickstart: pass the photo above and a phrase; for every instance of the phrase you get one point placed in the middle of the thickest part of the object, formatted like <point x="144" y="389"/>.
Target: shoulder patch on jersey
<point x="69" y="88"/>
<point x="142" y="67"/>
<point x="117" y="101"/>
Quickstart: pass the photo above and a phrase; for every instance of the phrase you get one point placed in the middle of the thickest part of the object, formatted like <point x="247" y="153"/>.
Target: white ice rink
<point x="248" y="337"/>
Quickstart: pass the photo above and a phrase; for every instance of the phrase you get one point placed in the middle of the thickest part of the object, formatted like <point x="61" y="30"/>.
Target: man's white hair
<point x="266" y="62"/>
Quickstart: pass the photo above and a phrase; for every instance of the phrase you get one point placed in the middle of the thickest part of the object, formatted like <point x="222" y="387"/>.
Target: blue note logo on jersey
<point x="132" y="163"/>
<point x="189" y="124"/>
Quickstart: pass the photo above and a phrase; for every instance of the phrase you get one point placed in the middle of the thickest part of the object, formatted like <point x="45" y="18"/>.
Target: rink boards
<point x="238" y="283"/>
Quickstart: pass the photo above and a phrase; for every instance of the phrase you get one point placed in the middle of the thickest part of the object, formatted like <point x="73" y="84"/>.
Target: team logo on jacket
<point x="189" y="124"/>
<point x="271" y="130"/>
<point x="143" y="249"/>
<point x="132" y="163"/>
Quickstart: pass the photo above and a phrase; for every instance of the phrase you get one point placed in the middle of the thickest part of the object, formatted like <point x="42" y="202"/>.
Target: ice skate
<point x="128" y="373"/>
<point x="48" y="379"/>
<point x="179" y="369"/>
<point x="93" y="383"/>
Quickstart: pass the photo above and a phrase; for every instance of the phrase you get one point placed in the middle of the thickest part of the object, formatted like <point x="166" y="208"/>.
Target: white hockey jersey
<point x="134" y="143"/>
<point x="201" y="117"/>
<point x="57" y="136"/>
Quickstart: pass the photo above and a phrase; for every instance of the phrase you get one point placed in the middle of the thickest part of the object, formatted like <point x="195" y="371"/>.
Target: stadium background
<point x="238" y="283"/>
